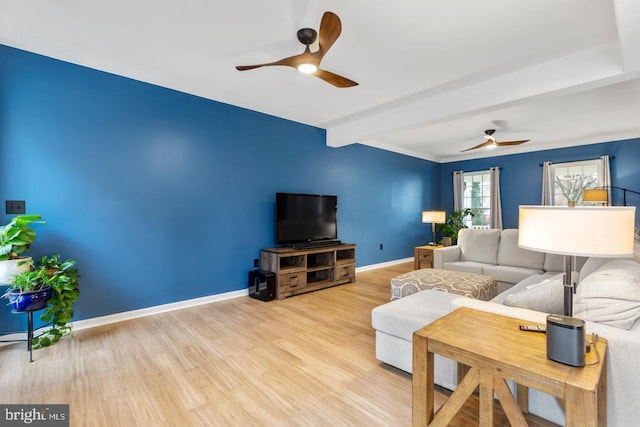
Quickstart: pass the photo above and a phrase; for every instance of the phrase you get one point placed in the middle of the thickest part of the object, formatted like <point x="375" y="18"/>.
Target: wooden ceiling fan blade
<point x="513" y="142"/>
<point x="250" y="67"/>
<point x="334" y="79"/>
<point x="484" y="144"/>
<point x="330" y="29"/>
<point x="292" y="61"/>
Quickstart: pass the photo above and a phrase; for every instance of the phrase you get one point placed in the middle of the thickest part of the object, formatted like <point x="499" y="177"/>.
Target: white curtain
<point x="496" y="205"/>
<point x="458" y="190"/>
<point x="605" y="178"/>
<point x="547" y="184"/>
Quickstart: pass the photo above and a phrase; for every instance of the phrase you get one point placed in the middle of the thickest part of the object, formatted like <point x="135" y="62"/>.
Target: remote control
<point x="533" y="328"/>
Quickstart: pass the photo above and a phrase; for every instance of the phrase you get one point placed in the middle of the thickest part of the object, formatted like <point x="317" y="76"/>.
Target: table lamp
<point x="434" y="217"/>
<point x="598" y="195"/>
<point x="591" y="231"/>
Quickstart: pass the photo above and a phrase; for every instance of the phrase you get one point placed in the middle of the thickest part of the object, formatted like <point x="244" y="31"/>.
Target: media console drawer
<point x="292" y="282"/>
<point x="304" y="270"/>
<point x="345" y="272"/>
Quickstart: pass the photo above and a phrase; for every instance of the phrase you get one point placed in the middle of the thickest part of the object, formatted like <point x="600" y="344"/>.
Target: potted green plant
<point x="15" y="239"/>
<point x="60" y="280"/>
<point x="30" y="290"/>
<point x="63" y="279"/>
<point x="454" y="223"/>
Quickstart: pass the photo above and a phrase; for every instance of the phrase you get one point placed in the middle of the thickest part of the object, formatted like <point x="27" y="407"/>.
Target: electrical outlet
<point x="15" y="207"/>
<point x="256" y="262"/>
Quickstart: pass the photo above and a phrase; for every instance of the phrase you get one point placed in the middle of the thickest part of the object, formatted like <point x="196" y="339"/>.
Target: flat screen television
<point x="305" y="218"/>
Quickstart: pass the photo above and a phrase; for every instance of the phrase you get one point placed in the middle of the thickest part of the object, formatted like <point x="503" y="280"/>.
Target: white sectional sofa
<point x="496" y="253"/>
<point x="607" y="298"/>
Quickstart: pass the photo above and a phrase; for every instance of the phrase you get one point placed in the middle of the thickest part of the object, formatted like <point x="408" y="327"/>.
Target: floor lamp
<point x="590" y="231"/>
<point x="434" y="217"/>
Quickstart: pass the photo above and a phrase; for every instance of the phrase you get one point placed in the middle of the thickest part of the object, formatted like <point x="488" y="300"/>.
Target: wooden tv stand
<point x="304" y="270"/>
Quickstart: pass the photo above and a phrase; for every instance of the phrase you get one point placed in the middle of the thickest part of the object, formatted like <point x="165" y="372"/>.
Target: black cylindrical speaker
<point x="566" y="340"/>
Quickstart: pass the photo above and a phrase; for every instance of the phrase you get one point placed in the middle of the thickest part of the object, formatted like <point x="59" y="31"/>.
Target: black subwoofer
<point x="262" y="285"/>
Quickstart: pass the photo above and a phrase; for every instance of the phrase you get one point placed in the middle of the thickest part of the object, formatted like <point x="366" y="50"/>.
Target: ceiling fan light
<point x="307" y="68"/>
<point x="491" y="146"/>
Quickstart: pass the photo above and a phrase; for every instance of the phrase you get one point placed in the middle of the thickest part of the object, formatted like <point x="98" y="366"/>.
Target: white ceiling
<point x="433" y="75"/>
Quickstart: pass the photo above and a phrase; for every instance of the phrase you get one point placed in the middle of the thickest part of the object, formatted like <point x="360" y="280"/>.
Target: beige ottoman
<point x="470" y="285"/>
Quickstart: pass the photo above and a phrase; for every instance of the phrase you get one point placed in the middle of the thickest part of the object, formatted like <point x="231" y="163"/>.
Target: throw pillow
<point x="611" y="295"/>
<point x="592" y="264"/>
<point x="546" y="296"/>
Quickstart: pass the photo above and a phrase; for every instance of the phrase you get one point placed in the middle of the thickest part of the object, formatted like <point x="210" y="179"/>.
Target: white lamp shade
<point x="437" y="217"/>
<point x="595" y="195"/>
<point x="602" y="231"/>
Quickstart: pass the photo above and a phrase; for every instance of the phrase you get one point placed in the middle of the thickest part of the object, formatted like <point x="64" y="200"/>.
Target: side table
<point x="423" y="256"/>
<point x="496" y="351"/>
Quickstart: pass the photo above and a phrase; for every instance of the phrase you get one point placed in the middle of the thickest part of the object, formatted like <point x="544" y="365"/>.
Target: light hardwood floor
<point x="308" y="360"/>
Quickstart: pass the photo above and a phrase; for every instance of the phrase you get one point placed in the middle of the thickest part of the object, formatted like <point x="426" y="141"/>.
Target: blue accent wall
<point x="521" y="174"/>
<point x="163" y="196"/>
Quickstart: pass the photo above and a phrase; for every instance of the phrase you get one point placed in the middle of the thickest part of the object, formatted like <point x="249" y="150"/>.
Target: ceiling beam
<point x="582" y="71"/>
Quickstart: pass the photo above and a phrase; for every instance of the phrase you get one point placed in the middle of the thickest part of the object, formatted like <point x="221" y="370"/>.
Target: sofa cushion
<point x="479" y="245"/>
<point x="546" y="296"/>
<point x="464" y="266"/>
<point x="553" y="262"/>
<point x="536" y="278"/>
<point x="611" y="295"/>
<point x="401" y="318"/>
<point x="509" y="253"/>
<point x="509" y="274"/>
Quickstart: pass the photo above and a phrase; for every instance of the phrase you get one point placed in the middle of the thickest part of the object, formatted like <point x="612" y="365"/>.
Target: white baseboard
<point x="383" y="264"/>
<point x="134" y="314"/>
<point x="150" y="311"/>
<point x="164" y="308"/>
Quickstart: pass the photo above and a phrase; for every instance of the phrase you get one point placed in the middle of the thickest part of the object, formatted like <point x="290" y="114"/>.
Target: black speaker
<point x="566" y="340"/>
<point x="262" y="285"/>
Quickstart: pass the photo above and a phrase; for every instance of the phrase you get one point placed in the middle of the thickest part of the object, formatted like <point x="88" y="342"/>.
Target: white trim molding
<point x="383" y="264"/>
<point x="150" y="311"/>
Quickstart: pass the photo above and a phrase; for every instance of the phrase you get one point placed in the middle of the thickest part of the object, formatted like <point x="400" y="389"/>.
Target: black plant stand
<point x="29" y="331"/>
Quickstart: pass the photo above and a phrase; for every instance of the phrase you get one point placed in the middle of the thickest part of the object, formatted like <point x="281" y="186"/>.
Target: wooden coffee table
<point x="495" y="350"/>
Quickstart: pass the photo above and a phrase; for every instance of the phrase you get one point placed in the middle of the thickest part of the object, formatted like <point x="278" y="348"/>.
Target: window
<point x="570" y="180"/>
<point x="476" y="195"/>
